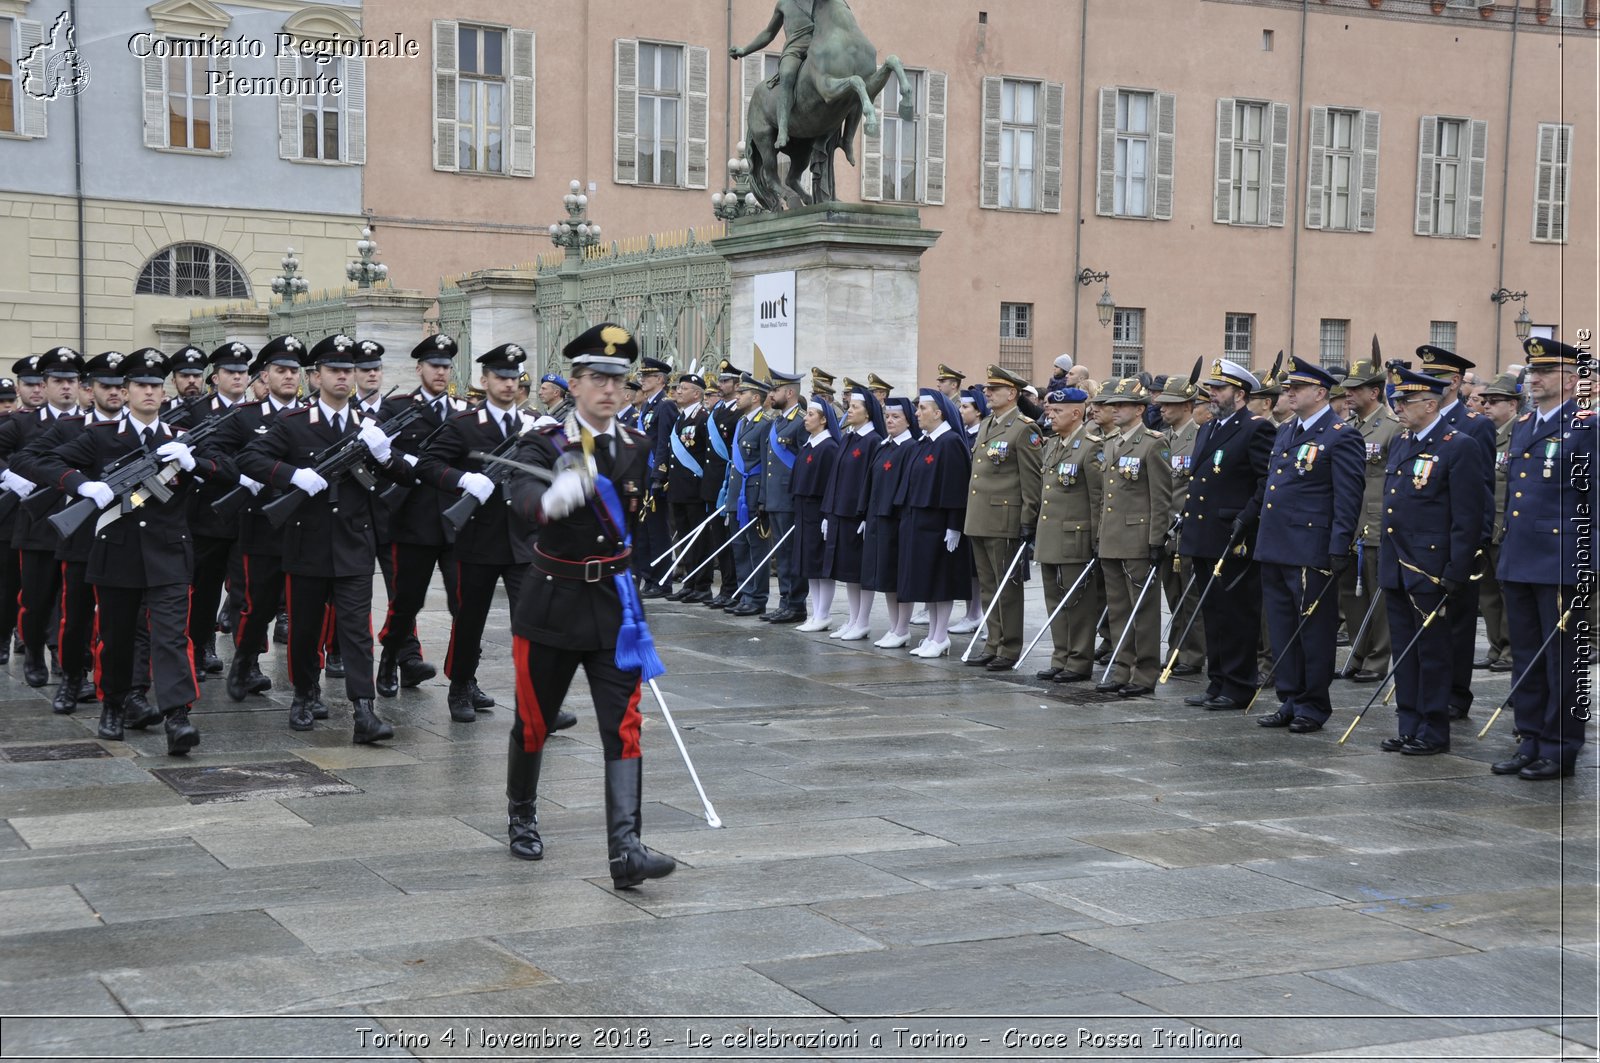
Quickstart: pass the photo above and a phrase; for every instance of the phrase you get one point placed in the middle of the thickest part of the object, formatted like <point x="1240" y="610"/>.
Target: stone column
<point x="393" y="317"/>
<point x="502" y="304"/>
<point x="857" y="280"/>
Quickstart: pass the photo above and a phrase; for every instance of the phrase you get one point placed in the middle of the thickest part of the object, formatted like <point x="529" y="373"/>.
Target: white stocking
<point x="939" y="621"/>
<point x="821" y="597"/>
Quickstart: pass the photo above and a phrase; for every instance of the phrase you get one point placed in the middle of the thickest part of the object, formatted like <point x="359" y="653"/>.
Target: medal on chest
<point x="1067" y="473"/>
<point x="1129" y="467"/>
<point x="1216" y="460"/>
<point x="1502" y="461"/>
<point x="1180" y="466"/>
<point x="1374" y="452"/>
<point x="1305" y="457"/>
<point x="998" y="451"/>
<point x="1421" y="469"/>
<point x="1550" y="448"/>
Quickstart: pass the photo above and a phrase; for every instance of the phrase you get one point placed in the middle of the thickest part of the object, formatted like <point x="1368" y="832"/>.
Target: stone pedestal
<point x="502" y="303"/>
<point x="393" y="317"/>
<point x="857" y="278"/>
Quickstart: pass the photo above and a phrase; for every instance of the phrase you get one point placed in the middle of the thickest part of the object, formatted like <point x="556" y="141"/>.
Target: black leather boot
<point x="65" y="703"/>
<point x="319" y="710"/>
<point x="369" y="728"/>
<point x="460" y="702"/>
<point x="280" y="629"/>
<point x="300" y="712"/>
<point x="138" y="713"/>
<point x="333" y="668"/>
<point x="631" y="862"/>
<point x="480" y="700"/>
<point x="239" y="676"/>
<point x="210" y="663"/>
<point x="522" y="793"/>
<point x="415" y="672"/>
<point x="258" y="682"/>
<point x="387" y="679"/>
<point x="182" y="735"/>
<point x="86" y="690"/>
<point x="111" y="722"/>
<point x="35" y="672"/>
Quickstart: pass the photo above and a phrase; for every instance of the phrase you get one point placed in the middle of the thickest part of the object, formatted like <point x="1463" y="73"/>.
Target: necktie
<point x="438" y="408"/>
<point x="338" y="424"/>
<point x="505" y="426"/>
<point x="145" y="436"/>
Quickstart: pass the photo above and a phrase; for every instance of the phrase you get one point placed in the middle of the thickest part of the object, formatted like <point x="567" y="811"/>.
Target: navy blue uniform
<point x="932" y="498"/>
<point x="656" y="418"/>
<point x="1463" y="610"/>
<point x="1309" y="506"/>
<point x="785" y="435"/>
<point x="845" y="504"/>
<point x="1433" y="512"/>
<point x="744" y="502"/>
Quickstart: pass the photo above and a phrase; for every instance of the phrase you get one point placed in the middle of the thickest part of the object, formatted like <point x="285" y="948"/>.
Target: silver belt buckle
<point x="592" y="572"/>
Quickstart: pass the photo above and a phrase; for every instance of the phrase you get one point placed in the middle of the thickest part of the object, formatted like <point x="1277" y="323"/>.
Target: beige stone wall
<point x="39" y="290"/>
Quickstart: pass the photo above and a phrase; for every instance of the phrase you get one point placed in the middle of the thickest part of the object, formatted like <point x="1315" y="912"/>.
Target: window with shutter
<point x="1054" y="121"/>
<point x="1133" y="132"/>
<point x="523" y="85"/>
<point x="190" y="109"/>
<point x="933" y="106"/>
<point x="1166" y="152"/>
<point x="659" y="98"/>
<point x="1222" y="211"/>
<point x="1247" y="192"/>
<point x="1019" y="142"/>
<point x="446" y="82"/>
<point x="1450" y="176"/>
<point x="900" y="149"/>
<point x="482" y="95"/>
<point x="355" y="111"/>
<point x="10" y="80"/>
<point x="1335" y="169"/>
<point x="1106" y="197"/>
<point x="1427" y="142"/>
<point x="1278" y="165"/>
<point x="1552" y="183"/>
<point x="753" y="70"/>
<point x="989" y="192"/>
<point x="1367" y="217"/>
<point x="1477" y="160"/>
<point x="320" y="126"/>
<point x="697" y="118"/>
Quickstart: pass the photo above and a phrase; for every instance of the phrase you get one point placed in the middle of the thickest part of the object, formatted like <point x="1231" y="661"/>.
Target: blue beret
<point x="552" y="378"/>
<point x="1061" y="395"/>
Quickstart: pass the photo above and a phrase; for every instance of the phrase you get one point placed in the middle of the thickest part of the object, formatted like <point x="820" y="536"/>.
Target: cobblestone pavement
<point x="903" y="838"/>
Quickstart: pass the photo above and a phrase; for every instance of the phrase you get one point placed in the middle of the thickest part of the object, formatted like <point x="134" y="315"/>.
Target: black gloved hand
<point x="1028" y="533"/>
<point x="1451" y="587"/>
<point x="1156" y="554"/>
<point x="1337" y="563"/>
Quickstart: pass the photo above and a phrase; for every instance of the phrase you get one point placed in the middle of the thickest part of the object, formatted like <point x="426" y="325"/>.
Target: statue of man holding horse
<point x="794" y="18"/>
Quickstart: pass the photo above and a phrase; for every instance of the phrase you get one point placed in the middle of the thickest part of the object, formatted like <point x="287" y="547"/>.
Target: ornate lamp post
<point x="576" y="232"/>
<point x="1105" y="307"/>
<point x="290" y="284"/>
<point x="366" y="272"/>
<point x="740" y="200"/>
<point x="1524" y="323"/>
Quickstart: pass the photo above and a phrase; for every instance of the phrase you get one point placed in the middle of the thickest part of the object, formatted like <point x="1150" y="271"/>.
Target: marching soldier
<point x="949" y="382"/>
<point x="567" y="617"/>
<point x="1308" y="507"/>
<point x="27" y="391"/>
<point x="1002" y="511"/>
<point x="188" y="368"/>
<point x="744" y="495"/>
<point x="1232" y="452"/>
<point x="1502" y="399"/>
<point x="141" y="565"/>
<point x="34" y="539"/>
<point x="1069" y="510"/>
<point x="1176" y="402"/>
<point x="686" y="461"/>
<point x="329" y="543"/>
<point x="784" y="439"/>
<point x="1378" y="427"/>
<point x="1135" y="523"/>
<point x="1547" y="566"/>
<point x="417" y="543"/>
<point x="656" y="416"/>
<point x="1433" y="516"/>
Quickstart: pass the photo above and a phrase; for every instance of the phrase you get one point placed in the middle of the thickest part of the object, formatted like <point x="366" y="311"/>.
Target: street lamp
<point x="576" y="232"/>
<point x="740" y="200"/>
<point x="289" y="284"/>
<point x="366" y="272"/>
<point x="1105" y="307"/>
<point x="1524" y="322"/>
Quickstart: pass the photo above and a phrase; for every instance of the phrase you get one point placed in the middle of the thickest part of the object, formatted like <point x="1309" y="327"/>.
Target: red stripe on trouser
<point x="288" y="606"/>
<point x="22" y="610"/>
<point x="394" y="567"/>
<point x="450" y="650"/>
<point x="628" y="727"/>
<point x="61" y="628"/>
<point x="528" y="711"/>
<point x="99" y="681"/>
<point x="245" y="609"/>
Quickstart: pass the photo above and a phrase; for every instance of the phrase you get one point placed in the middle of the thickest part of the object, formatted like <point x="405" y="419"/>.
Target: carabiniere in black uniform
<point x="571" y="613"/>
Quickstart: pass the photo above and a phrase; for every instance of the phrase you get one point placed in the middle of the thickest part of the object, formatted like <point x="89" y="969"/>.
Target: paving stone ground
<point x="914" y="851"/>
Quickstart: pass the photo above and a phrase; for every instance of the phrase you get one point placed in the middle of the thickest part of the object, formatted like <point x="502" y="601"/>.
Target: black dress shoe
<point x="1110" y="686"/>
<point x="257" y="681"/>
<point x="1001" y="664"/>
<point x="368" y="727"/>
<point x="982" y="660"/>
<point x="1047" y="673"/>
<point x="1300" y="725"/>
<point x="300" y="713"/>
<point x="1545" y="769"/>
<point x="1500" y="666"/>
<point x="1065" y="676"/>
<point x="1102" y="657"/>
<point x="697" y="598"/>
<point x="333" y="667"/>
<point x="678" y="595"/>
<point x="1512" y="765"/>
<point x="35" y="672"/>
<point x="460" y="702"/>
<point x="238" y="678"/>
<point x="280" y="630"/>
<point x="564" y="720"/>
<point x="1197" y="700"/>
<point x="182" y="735"/>
<point x="1186" y="669"/>
<point x="1418" y="748"/>
<point x="1365" y="675"/>
<point x="210" y="663"/>
<point x="719" y="601"/>
<point x="480" y="700"/>
<point x="1395" y="745"/>
<point x="1341" y="638"/>
<point x="86" y="691"/>
<point x="655" y="590"/>
<point x="110" y="724"/>
<point x="1458" y="712"/>
<point x="416" y="671"/>
<point x="319" y="708"/>
<point x="65" y="703"/>
<point x="1482" y="662"/>
<point x="748" y="609"/>
<point x="767" y="616"/>
<point x="790" y="616"/>
<point x="1222" y="702"/>
<point x="137" y="712"/>
<point x="1135" y="690"/>
<point x="387" y="678"/>
<point x="1277" y="719"/>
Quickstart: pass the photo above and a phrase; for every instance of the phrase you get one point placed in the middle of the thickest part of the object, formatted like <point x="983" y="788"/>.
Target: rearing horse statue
<point x="832" y="97"/>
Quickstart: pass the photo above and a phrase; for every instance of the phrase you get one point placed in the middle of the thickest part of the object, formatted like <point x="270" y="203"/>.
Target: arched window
<point x="192" y="271"/>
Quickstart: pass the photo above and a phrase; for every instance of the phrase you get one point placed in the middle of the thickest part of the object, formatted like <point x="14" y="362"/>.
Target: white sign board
<point x="774" y="318"/>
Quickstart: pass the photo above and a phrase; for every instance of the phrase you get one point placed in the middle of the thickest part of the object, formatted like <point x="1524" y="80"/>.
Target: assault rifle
<point x="461" y="511"/>
<point x="347" y="457"/>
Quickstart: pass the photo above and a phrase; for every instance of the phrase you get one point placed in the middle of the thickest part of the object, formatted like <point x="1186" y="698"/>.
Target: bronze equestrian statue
<point x="827" y="79"/>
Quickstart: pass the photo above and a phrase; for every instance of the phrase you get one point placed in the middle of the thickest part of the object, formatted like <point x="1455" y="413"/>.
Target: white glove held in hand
<point x="566" y="494"/>
<point x="861" y="529"/>
<point x="181" y="453"/>
<point x="824" y="527"/>
<point x="374" y="440"/>
<point x="309" y="481"/>
<point x="253" y="486"/>
<point x="97" y="492"/>
<point x="22" y="488"/>
<point x="477" y="485"/>
<point x="952" y="539"/>
<point x="410" y="459"/>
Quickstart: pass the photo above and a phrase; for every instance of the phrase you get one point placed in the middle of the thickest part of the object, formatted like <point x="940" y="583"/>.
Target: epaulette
<point x="1579" y="415"/>
<point x="1338" y="425"/>
<point x="1524" y="417"/>
<point x="634" y="434"/>
<point x="1447" y="437"/>
<point x="1474" y="413"/>
<point x="483" y="415"/>
<point x="298" y="411"/>
<point x="113" y="423"/>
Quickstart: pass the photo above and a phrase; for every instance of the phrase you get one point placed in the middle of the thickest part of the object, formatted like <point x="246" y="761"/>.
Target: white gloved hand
<point x="861" y="529"/>
<point x="13" y="482"/>
<point x="181" y="453"/>
<point x="98" y="493"/>
<point x="410" y="459"/>
<point x="824" y="527"/>
<point x="565" y="494"/>
<point x="253" y="486"/>
<point x="372" y="437"/>
<point x="952" y="539"/>
<point x="477" y="485"/>
<point x="309" y="481"/>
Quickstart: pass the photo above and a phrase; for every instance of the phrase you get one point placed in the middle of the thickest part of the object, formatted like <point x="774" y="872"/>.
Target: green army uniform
<point x="1369" y="661"/>
<point x="1490" y="601"/>
<point x="1180" y="444"/>
<point x="1069" y="513"/>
